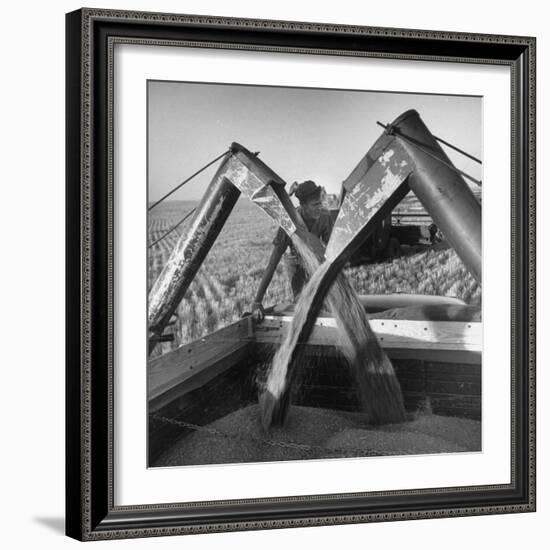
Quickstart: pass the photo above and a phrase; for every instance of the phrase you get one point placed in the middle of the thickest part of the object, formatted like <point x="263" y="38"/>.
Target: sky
<point x="301" y="133"/>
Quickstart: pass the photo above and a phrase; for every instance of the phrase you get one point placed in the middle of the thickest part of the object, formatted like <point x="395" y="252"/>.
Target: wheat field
<point x="225" y="285"/>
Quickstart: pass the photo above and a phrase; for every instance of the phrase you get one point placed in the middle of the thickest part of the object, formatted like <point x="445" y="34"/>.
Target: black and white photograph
<point x="270" y="275"/>
<point x="314" y="273"/>
<point x="300" y="271"/>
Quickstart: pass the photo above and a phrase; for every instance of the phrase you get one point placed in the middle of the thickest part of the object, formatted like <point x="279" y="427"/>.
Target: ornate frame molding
<point x="91" y="36"/>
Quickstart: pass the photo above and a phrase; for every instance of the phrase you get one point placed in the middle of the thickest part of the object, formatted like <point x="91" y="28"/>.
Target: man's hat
<point x="305" y="190"/>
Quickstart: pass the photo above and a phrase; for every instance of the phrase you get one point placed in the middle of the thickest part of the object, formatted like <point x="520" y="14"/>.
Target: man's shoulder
<point x="326" y="217"/>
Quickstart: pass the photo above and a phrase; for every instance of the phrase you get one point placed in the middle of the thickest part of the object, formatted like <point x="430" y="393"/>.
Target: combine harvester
<point x="434" y="343"/>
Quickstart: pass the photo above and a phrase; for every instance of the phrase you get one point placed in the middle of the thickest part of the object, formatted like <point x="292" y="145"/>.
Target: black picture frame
<point x="90" y="512"/>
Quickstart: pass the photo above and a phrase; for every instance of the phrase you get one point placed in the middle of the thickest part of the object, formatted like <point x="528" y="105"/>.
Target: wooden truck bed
<point x="438" y="364"/>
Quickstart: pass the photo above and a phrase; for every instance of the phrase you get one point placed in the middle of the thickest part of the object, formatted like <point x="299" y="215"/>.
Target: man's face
<point x="312" y="208"/>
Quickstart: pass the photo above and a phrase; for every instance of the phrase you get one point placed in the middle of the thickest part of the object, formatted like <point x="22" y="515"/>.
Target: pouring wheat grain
<point x="379" y="389"/>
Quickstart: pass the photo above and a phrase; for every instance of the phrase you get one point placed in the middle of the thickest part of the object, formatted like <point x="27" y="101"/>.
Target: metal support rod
<point x="457" y="149"/>
<point x="164" y="197"/>
<point x="449" y="164"/>
<point x="269" y="271"/>
<point x="173" y="228"/>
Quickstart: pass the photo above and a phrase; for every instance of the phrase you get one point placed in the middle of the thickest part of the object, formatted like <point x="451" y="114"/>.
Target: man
<point x="317" y="220"/>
